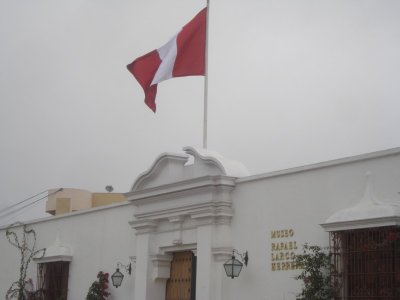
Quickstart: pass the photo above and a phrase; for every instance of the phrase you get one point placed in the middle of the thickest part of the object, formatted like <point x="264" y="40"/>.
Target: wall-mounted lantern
<point x="233" y="266"/>
<point x="117" y="277"/>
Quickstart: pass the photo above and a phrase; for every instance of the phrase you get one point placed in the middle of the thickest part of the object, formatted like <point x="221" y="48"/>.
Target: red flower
<point x="392" y="236"/>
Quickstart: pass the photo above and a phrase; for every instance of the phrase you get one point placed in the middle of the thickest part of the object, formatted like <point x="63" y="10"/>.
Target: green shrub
<point x="319" y="282"/>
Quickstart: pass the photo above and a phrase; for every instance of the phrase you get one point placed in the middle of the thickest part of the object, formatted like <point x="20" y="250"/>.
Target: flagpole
<point x="206" y="81"/>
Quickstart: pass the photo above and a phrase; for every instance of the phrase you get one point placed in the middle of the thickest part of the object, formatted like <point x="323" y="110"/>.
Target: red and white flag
<point x="183" y="55"/>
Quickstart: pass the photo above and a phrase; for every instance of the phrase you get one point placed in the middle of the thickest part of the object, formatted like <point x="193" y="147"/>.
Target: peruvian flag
<point x="183" y="55"/>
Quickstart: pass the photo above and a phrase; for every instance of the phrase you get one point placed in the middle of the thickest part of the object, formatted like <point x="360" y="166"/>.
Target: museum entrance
<point x="181" y="284"/>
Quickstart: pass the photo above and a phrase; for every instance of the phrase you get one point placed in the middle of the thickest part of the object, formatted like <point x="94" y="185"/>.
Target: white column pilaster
<point x="204" y="277"/>
<point x="145" y="286"/>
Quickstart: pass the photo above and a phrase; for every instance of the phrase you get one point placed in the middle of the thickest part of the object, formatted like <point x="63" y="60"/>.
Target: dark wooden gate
<point x="53" y="280"/>
<point x="182" y="281"/>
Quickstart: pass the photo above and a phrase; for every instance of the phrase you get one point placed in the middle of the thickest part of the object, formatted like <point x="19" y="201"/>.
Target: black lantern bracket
<point x="243" y="256"/>
<point x="233" y="266"/>
<point x="128" y="267"/>
<point x="117" y="276"/>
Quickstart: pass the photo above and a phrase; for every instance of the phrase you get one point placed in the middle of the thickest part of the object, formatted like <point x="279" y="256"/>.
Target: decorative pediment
<point x="170" y="168"/>
<point x="369" y="212"/>
<point x="56" y="252"/>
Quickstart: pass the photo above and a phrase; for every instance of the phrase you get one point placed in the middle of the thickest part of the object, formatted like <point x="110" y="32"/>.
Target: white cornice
<point x="55" y="258"/>
<point x="359" y="224"/>
<point x="205" y="200"/>
<point x="144" y="226"/>
<point x="222" y="253"/>
<point x="191" y="186"/>
<point x="71" y="214"/>
<point x="326" y="164"/>
<point x="184" y="247"/>
<point x="221" y="212"/>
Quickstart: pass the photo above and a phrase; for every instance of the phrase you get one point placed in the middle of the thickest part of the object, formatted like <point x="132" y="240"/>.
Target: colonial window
<point x="367" y="262"/>
<point x="53" y="280"/>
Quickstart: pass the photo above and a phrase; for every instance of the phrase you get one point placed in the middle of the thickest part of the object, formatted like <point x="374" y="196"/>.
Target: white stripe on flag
<point x="167" y="54"/>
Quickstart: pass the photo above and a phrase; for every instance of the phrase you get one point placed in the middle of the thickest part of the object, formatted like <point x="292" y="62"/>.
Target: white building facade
<point x="191" y="210"/>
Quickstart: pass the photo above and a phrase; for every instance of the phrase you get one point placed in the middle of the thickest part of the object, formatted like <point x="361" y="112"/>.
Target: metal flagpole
<point x="206" y="81"/>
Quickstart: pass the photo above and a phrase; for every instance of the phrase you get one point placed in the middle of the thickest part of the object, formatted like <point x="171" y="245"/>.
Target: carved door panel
<point x="181" y="283"/>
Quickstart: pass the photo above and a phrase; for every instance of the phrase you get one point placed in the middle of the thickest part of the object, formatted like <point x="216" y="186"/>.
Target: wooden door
<point x="181" y="283"/>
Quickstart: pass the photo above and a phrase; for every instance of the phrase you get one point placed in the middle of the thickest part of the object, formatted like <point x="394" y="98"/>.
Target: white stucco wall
<point x="173" y="217"/>
<point x="98" y="239"/>
<point x="299" y="201"/>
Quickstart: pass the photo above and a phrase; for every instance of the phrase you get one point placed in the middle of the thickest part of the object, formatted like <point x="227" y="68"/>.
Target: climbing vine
<point x="26" y="245"/>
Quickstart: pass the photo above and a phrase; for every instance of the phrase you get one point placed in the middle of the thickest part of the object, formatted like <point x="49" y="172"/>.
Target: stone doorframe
<point x="182" y="207"/>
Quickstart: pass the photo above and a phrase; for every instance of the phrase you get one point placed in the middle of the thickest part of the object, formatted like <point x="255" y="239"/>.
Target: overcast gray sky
<point x="290" y="83"/>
